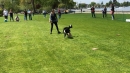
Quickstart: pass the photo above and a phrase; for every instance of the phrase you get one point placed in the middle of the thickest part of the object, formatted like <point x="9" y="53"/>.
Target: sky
<point x="97" y="1"/>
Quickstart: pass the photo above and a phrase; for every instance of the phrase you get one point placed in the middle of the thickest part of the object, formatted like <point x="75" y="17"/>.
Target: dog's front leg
<point x="64" y="35"/>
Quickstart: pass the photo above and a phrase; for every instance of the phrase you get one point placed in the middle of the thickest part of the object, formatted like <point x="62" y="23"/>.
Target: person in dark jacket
<point x="93" y="11"/>
<point x="53" y="20"/>
<point x="11" y="15"/>
<point x="104" y="12"/>
<point x="25" y="14"/>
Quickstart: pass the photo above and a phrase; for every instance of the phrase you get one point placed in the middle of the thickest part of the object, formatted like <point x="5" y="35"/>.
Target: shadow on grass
<point x="72" y="37"/>
<point x="68" y="38"/>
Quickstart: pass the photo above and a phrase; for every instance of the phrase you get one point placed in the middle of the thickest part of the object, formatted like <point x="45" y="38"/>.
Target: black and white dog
<point x="66" y="31"/>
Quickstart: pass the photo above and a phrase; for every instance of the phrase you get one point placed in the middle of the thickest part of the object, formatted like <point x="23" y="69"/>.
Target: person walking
<point x="11" y="15"/>
<point x="93" y="12"/>
<point x="53" y="20"/>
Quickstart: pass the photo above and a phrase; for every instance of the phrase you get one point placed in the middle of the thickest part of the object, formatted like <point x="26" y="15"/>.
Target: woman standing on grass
<point x="53" y="20"/>
<point x="30" y="14"/>
<point x="112" y="11"/>
<point x="44" y="13"/>
<point x="5" y="14"/>
<point x="11" y="15"/>
<point x="59" y="13"/>
<point x="93" y="12"/>
<point x="104" y="12"/>
<point x="25" y="14"/>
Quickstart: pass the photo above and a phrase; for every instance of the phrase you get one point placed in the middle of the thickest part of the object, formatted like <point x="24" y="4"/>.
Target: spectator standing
<point x="93" y="11"/>
<point x="104" y="12"/>
<point x="112" y="11"/>
<point x="59" y="14"/>
<point x="81" y="10"/>
<point x="33" y="12"/>
<point x="53" y="20"/>
<point x="11" y="15"/>
<point x="5" y="14"/>
<point x="30" y="14"/>
<point x="44" y="13"/>
<point x="25" y="14"/>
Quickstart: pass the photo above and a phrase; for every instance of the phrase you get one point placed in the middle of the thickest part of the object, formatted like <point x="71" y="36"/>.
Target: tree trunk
<point x="34" y="10"/>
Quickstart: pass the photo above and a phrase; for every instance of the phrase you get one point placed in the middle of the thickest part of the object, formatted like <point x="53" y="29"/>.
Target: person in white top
<point x="30" y="14"/>
<point x="5" y="14"/>
<point x="44" y="13"/>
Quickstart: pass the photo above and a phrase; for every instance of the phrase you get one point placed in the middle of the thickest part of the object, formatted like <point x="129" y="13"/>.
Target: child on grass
<point x="17" y="18"/>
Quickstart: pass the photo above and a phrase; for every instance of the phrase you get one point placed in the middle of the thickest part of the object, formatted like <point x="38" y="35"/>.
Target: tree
<point x="71" y="4"/>
<point x="33" y="5"/>
<point x="101" y="3"/>
<point x="98" y="5"/>
<point x="125" y="3"/>
<point x="117" y="3"/>
<point x="114" y="1"/>
<point x="61" y="5"/>
<point x="37" y="4"/>
<point x="14" y="5"/>
<point x="93" y="3"/>
<point x="67" y="3"/>
<point x="82" y="5"/>
<point x="109" y="3"/>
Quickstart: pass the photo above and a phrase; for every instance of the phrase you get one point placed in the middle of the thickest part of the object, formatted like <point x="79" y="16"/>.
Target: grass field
<point x="99" y="45"/>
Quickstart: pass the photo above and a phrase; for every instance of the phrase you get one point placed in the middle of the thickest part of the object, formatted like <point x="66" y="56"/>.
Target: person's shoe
<point x="50" y="32"/>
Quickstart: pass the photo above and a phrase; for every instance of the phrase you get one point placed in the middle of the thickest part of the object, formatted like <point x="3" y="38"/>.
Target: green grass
<point x="28" y="46"/>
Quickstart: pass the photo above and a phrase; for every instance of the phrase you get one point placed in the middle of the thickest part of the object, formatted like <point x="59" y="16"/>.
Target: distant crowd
<point x="104" y="12"/>
<point x="27" y="14"/>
